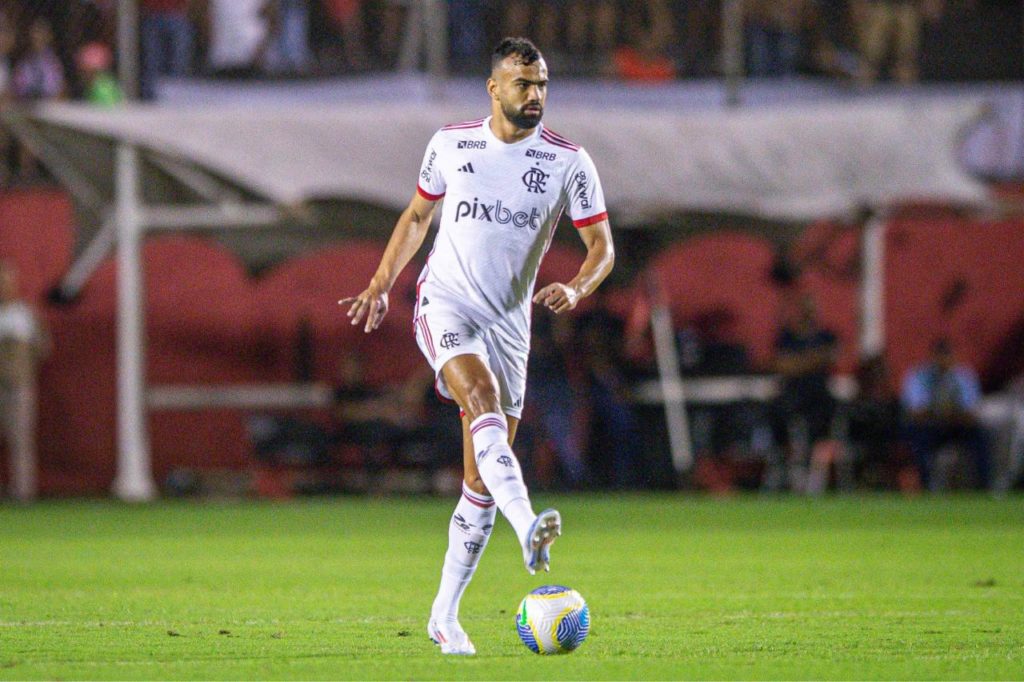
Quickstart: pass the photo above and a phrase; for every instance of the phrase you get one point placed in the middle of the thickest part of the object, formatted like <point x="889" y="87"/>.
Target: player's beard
<point x="520" y="118"/>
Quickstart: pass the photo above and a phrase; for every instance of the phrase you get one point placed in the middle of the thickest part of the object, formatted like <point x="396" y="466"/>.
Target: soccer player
<point x="506" y="180"/>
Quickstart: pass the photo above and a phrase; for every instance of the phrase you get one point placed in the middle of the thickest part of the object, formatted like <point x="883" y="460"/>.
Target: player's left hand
<point x="557" y="297"/>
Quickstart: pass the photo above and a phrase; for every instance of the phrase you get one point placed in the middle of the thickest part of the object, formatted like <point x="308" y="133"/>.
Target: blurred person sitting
<point x="94" y="62"/>
<point x="167" y="41"/>
<point x="941" y="399"/>
<point x="23" y="344"/>
<point x="616" y="440"/>
<point x="894" y="25"/>
<point x="548" y="380"/>
<point x="805" y="355"/>
<point x="873" y="420"/>
<point x="391" y="425"/>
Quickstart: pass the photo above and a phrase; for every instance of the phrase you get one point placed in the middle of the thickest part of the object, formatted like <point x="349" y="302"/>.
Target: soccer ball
<point x="553" y="620"/>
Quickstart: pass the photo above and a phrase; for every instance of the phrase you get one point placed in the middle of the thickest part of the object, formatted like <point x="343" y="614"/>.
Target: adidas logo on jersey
<point x="468" y="168"/>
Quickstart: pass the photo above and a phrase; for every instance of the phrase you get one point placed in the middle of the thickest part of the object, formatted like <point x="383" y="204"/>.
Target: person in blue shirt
<point x="940" y="399"/>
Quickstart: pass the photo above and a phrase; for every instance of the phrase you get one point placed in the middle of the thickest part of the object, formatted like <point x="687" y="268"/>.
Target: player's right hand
<point x="372" y="304"/>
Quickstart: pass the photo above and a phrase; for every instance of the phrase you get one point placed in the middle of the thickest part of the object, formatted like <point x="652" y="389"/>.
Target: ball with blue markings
<point x="553" y="620"/>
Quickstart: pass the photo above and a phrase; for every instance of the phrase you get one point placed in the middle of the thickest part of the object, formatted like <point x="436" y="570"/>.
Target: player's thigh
<point x="445" y="333"/>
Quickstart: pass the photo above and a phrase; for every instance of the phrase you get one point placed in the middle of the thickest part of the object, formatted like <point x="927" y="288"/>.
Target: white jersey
<point x="502" y="203"/>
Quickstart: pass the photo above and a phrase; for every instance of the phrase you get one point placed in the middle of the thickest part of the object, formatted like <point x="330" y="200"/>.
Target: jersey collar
<point x="526" y="140"/>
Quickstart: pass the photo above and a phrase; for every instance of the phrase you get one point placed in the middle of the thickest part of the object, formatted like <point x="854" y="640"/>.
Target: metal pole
<point x="128" y="47"/>
<point x="436" y="28"/>
<point x="671" y="388"/>
<point x="134" y="481"/>
<point x="872" y="286"/>
<point x="732" y="50"/>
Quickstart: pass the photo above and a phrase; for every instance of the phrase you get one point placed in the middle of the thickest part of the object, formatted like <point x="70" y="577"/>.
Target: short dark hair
<point x="520" y="47"/>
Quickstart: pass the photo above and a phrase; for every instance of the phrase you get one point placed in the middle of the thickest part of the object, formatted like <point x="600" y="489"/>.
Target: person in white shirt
<point x="23" y="343"/>
<point x="506" y="179"/>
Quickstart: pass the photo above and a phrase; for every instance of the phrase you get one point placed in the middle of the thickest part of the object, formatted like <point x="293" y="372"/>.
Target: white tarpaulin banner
<point x="803" y="162"/>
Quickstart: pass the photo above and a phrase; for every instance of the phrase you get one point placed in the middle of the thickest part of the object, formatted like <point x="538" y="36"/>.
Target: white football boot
<point x="546" y="527"/>
<point x="450" y="637"/>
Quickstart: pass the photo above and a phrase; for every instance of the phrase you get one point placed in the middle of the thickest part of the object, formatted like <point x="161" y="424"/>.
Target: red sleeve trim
<point x="585" y="222"/>
<point x="427" y="195"/>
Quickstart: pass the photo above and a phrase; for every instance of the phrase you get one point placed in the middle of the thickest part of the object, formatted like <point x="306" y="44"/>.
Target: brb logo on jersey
<point x="472" y="144"/>
<point x="535" y="180"/>
<point x="538" y="154"/>
<point x="496" y="213"/>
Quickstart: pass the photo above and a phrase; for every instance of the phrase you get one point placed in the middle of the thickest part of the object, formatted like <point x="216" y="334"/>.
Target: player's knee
<point x="482" y="397"/>
<point x="476" y="484"/>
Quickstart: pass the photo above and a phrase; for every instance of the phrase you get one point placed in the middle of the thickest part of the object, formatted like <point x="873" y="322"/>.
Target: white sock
<point x="500" y="471"/>
<point x="468" y="532"/>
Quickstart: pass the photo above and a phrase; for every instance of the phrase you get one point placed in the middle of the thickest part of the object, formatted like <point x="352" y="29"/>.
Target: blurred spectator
<point x="806" y="352"/>
<point x="94" y="61"/>
<point x="238" y="36"/>
<point x="167" y="39"/>
<point x="644" y="56"/>
<point x="830" y="40"/>
<point x="941" y="400"/>
<point x="615" y="436"/>
<point x="287" y="50"/>
<point x="894" y="26"/>
<point x="395" y="425"/>
<point x="468" y="31"/>
<point x="553" y="400"/>
<point x="344" y="47"/>
<point x="773" y="33"/>
<point x="388" y="20"/>
<point x="38" y="73"/>
<point x="23" y="343"/>
<point x="873" y="424"/>
<point x="539" y="19"/>
<point x="591" y="27"/>
<point x="697" y="47"/>
<point x="8" y="40"/>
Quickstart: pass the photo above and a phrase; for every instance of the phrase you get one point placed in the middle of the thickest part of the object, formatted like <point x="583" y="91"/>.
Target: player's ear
<point x="492" y="88"/>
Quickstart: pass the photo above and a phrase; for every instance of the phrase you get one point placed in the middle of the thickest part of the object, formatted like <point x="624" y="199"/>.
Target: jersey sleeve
<point x="585" y="196"/>
<point x="431" y="184"/>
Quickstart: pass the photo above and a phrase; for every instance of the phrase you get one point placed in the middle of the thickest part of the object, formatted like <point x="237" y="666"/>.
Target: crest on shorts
<point x="449" y="339"/>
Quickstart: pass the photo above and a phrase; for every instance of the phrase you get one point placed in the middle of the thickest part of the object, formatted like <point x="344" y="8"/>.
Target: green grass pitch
<point x="679" y="587"/>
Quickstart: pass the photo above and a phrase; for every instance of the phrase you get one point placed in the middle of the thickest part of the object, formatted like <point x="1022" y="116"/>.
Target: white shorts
<point x="444" y="330"/>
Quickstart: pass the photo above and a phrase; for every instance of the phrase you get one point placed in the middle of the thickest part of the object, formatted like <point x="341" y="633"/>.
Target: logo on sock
<point x="506" y="460"/>
<point x="473" y="547"/>
<point x="461" y="522"/>
<point x="486" y="528"/>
